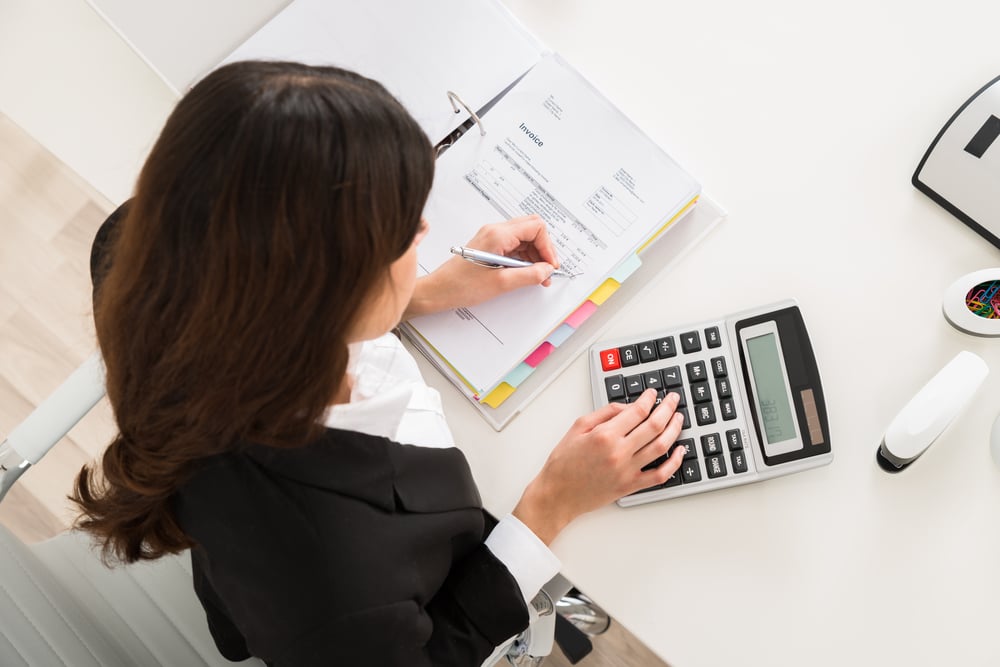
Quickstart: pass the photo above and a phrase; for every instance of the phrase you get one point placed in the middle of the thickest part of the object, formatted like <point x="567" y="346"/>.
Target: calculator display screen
<point x="772" y="396"/>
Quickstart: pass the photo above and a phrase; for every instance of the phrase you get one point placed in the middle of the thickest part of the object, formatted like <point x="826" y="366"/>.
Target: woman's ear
<point x="421" y="231"/>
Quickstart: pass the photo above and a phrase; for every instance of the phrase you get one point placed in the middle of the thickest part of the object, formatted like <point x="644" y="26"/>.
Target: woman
<point x="273" y="230"/>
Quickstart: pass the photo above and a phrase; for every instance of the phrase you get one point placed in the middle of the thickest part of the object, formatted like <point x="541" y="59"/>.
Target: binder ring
<point x="456" y="101"/>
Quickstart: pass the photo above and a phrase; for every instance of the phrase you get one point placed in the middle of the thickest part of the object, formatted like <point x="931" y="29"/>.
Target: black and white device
<point x="961" y="169"/>
<point x="750" y="392"/>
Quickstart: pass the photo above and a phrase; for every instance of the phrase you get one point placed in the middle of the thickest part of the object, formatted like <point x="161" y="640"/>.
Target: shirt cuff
<point x="529" y="561"/>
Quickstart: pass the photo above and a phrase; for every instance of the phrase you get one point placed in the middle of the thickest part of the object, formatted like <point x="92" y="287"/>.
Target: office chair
<point x="59" y="605"/>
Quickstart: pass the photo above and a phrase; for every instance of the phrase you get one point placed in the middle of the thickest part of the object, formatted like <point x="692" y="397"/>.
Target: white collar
<point x="389" y="397"/>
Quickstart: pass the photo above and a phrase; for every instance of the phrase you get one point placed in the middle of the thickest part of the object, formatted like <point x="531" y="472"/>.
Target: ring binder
<point x="456" y="100"/>
<point x="455" y="134"/>
<point x="491" y="351"/>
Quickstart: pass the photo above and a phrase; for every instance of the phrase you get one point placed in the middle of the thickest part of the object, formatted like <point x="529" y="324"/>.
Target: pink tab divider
<point x="581" y="314"/>
<point x="536" y="357"/>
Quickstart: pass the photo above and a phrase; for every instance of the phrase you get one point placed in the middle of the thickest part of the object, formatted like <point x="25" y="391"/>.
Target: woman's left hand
<point x="459" y="282"/>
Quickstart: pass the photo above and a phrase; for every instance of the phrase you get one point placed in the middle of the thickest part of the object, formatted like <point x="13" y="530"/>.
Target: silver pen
<point x="488" y="259"/>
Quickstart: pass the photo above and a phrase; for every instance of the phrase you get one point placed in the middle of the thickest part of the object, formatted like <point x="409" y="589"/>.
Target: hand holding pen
<point x="493" y="261"/>
<point x="461" y="283"/>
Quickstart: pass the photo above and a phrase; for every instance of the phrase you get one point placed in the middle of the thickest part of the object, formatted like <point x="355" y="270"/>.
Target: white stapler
<point x="928" y="413"/>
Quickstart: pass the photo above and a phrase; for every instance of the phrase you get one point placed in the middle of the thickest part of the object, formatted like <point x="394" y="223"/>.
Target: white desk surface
<point x="806" y="124"/>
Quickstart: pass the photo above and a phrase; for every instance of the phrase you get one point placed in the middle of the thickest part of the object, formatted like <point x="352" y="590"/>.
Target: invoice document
<point x="554" y="146"/>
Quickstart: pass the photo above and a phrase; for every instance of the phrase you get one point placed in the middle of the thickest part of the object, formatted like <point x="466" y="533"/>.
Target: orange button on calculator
<point x="610" y="360"/>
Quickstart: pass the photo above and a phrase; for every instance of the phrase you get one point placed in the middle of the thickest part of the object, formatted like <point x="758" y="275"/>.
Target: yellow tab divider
<point x="498" y="395"/>
<point x="601" y="294"/>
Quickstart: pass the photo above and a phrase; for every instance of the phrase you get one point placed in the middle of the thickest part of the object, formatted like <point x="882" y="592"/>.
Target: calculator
<point x="750" y="393"/>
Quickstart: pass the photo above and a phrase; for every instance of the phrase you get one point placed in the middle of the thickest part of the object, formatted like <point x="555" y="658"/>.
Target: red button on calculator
<point x="610" y="360"/>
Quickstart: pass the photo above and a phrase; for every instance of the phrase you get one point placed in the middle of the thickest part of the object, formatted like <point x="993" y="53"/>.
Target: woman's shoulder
<point x="235" y="497"/>
<point x="254" y="465"/>
<point x="363" y="467"/>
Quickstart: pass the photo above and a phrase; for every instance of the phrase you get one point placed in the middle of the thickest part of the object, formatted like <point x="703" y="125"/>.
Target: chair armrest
<point x="30" y="440"/>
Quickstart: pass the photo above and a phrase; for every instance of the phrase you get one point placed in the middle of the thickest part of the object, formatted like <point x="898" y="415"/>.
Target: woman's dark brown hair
<point x="276" y="196"/>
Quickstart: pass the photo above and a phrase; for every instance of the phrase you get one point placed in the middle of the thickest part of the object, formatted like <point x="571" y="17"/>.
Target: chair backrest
<point x="59" y="605"/>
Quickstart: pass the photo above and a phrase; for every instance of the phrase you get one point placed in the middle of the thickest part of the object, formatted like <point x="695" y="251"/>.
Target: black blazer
<point x="353" y="550"/>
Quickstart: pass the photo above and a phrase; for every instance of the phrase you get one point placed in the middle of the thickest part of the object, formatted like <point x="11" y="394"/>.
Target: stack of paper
<point x="557" y="148"/>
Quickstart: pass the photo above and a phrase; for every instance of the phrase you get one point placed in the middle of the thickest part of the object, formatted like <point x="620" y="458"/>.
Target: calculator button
<point x="629" y="356"/>
<point x="615" y="386"/>
<point x="696" y="371"/>
<point x="610" y="360"/>
<point x="647" y="351"/>
<point x="700" y="392"/>
<point x="652" y="379"/>
<point x="660" y="395"/>
<point x="711" y="444"/>
<point x="734" y="440"/>
<point x="690" y="472"/>
<point x="633" y="385"/>
<point x="716" y="465"/>
<point x="722" y="386"/>
<point x="623" y="399"/>
<point x="712" y="337"/>
<point x="674" y="480"/>
<point x="739" y="461"/>
<point x="705" y="414"/>
<point x="681" y="402"/>
<point x="672" y="377"/>
<point x="665" y="347"/>
<point x="727" y="409"/>
<point x="690" y="342"/>
<point x="689" y="451"/>
<point x="687" y="418"/>
<point x="719" y="367"/>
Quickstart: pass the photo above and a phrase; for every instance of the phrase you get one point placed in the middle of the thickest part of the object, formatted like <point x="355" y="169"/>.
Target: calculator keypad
<point x="696" y="365"/>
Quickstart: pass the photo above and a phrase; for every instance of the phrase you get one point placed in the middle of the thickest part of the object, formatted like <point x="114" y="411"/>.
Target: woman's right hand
<point x="600" y="459"/>
<point x="459" y="283"/>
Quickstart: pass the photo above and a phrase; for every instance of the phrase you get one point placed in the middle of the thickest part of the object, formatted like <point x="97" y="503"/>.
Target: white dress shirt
<point x="390" y="399"/>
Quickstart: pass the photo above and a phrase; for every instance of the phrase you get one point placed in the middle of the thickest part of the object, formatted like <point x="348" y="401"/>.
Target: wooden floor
<point x="48" y="217"/>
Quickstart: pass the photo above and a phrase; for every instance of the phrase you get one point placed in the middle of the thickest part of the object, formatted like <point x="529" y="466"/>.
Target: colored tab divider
<point x="505" y="389"/>
<point x="580" y="315"/>
<point x="607" y="288"/>
<point x="519" y="375"/>
<point x="523" y="370"/>
<point x="499" y="394"/>
<point x="626" y="268"/>
<point x="536" y="357"/>
<point x="514" y="379"/>
<point x="559" y="336"/>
